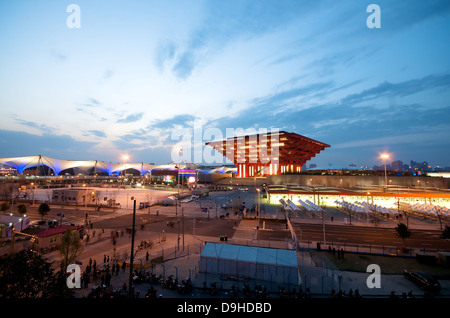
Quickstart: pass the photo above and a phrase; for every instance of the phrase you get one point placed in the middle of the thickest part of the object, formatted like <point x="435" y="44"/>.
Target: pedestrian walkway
<point x="182" y="261"/>
<point x="246" y="230"/>
<point x="319" y="275"/>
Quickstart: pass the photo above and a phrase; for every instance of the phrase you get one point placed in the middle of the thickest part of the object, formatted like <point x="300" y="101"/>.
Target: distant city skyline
<point x="397" y="165"/>
<point x="28" y="165"/>
<point x="136" y="71"/>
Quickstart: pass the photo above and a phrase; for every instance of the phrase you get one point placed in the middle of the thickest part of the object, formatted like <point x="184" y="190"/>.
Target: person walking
<point x="94" y="268"/>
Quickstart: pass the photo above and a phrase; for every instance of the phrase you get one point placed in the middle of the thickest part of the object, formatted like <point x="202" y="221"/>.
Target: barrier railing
<point x="385" y="250"/>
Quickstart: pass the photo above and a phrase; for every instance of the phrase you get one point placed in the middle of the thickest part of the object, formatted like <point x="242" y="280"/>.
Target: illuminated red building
<point x="269" y="153"/>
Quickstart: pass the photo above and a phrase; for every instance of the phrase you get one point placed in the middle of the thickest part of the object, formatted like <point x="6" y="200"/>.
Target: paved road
<point x="321" y="280"/>
<point x="196" y="222"/>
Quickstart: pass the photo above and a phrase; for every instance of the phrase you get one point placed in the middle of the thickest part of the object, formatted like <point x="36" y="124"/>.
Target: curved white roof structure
<point x="58" y="165"/>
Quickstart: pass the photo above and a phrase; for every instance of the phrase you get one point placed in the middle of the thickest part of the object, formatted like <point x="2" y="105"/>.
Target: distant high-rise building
<point x="398" y="165"/>
<point x="420" y="166"/>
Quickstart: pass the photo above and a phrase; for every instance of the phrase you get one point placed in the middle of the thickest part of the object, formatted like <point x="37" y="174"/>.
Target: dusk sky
<point x="137" y="72"/>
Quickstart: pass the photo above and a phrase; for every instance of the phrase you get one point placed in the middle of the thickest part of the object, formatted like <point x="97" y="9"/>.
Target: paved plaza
<point x="172" y="240"/>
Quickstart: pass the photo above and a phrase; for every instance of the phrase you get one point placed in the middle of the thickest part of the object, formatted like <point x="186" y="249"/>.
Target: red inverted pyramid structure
<point x="269" y="153"/>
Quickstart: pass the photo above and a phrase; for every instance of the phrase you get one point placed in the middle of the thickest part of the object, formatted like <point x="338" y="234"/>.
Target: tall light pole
<point x="259" y="203"/>
<point x="85" y="202"/>
<point x="178" y="179"/>
<point x="180" y="150"/>
<point x="130" y="281"/>
<point x="385" y="156"/>
<point x="34" y="190"/>
<point x="324" y="232"/>
<point x="125" y="159"/>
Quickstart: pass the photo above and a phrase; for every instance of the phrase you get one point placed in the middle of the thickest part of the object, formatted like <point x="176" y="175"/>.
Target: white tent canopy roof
<point x="58" y="165"/>
<point x="260" y="263"/>
<point x="260" y="255"/>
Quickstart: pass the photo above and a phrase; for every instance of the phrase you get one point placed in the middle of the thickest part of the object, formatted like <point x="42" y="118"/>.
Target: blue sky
<point x="136" y="71"/>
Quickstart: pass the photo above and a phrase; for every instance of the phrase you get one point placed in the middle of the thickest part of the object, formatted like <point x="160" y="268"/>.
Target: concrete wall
<point x="359" y="181"/>
<point x="214" y="178"/>
<point x="241" y="181"/>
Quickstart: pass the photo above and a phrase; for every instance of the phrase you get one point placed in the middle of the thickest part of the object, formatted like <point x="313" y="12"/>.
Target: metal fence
<point x="385" y="250"/>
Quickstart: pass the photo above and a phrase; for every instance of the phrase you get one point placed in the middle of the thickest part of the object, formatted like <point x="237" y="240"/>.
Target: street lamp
<point x="259" y="203"/>
<point x="180" y="150"/>
<point x="385" y="156"/>
<point x="130" y="281"/>
<point x="125" y="159"/>
<point x="34" y="190"/>
<point x="85" y="203"/>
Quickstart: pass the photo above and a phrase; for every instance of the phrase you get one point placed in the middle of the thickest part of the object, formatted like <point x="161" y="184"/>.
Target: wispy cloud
<point x="108" y="74"/>
<point x="91" y="102"/>
<point x="184" y="65"/>
<point x="145" y="140"/>
<point x="311" y="67"/>
<point x="32" y="124"/>
<point x="401" y="89"/>
<point x="165" y="53"/>
<point x="140" y="134"/>
<point x="228" y="21"/>
<point x="395" y="19"/>
<point x="280" y="99"/>
<point x="339" y="124"/>
<point x="13" y="143"/>
<point x="98" y="133"/>
<point x="58" y="55"/>
<point x="182" y="120"/>
<point x="130" y="118"/>
<point x="389" y="141"/>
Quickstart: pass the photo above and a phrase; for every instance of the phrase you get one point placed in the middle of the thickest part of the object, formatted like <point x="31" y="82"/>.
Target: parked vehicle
<point x="423" y="280"/>
<point x="53" y="223"/>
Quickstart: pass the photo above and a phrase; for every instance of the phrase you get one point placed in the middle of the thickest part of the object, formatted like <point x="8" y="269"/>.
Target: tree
<point x="28" y="275"/>
<point x="438" y="213"/>
<point x="69" y="248"/>
<point x="446" y="232"/>
<point x="22" y="209"/>
<point x="44" y="209"/>
<point x="402" y="231"/>
<point x="4" y="207"/>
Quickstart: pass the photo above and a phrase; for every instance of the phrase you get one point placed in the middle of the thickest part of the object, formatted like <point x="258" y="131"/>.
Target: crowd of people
<point x="108" y="269"/>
